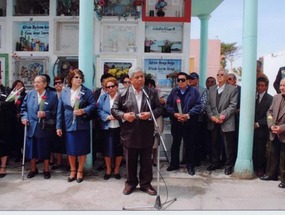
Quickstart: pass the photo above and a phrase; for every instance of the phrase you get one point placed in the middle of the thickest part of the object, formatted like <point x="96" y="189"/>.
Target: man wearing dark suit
<point x="221" y="107"/>
<point x="261" y="133"/>
<point x="137" y="130"/>
<point x="276" y="123"/>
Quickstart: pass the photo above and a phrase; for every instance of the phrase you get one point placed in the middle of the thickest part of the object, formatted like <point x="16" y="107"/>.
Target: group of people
<point x="206" y="119"/>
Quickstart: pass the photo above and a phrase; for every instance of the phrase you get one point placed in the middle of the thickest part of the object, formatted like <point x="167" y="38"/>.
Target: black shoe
<point x="32" y="173"/>
<point x="228" y="171"/>
<point x="212" y="167"/>
<point x="107" y="176"/>
<point x="70" y="179"/>
<point x="268" y="178"/>
<point x="46" y="174"/>
<point x="191" y="171"/>
<point x="117" y="176"/>
<point x="171" y="168"/>
<point x="281" y="185"/>
<point x="79" y="180"/>
<point x="55" y="167"/>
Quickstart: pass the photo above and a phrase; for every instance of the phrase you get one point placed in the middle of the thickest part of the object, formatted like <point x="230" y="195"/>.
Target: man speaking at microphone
<point x="184" y="106"/>
<point x="137" y="130"/>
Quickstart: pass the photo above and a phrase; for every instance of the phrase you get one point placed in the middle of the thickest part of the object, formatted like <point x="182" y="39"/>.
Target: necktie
<point x="257" y="99"/>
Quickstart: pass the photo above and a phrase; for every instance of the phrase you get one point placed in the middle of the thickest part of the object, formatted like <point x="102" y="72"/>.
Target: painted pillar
<point x="86" y="45"/>
<point x="203" y="49"/>
<point x="244" y="166"/>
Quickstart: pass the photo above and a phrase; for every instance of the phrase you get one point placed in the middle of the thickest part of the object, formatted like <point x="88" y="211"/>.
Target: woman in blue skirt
<point x="38" y="113"/>
<point x="76" y="103"/>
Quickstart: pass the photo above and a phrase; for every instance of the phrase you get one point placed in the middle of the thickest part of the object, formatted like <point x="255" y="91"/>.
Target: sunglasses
<point x="127" y="82"/>
<point x="210" y="82"/>
<point x="77" y="77"/>
<point x="229" y="79"/>
<point x="111" y="86"/>
<point x="181" y="79"/>
<point x="57" y="82"/>
<point x="220" y="74"/>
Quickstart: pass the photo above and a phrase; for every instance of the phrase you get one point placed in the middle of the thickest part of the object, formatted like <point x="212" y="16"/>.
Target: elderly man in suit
<point x="137" y="130"/>
<point x="261" y="133"/>
<point x="221" y="107"/>
<point x="276" y="125"/>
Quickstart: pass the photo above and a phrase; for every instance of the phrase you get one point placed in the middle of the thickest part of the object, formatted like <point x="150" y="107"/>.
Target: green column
<point x="203" y="49"/>
<point x="86" y="44"/>
<point x="244" y="166"/>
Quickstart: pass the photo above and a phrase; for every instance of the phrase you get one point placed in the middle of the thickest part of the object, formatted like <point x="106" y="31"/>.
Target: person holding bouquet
<point x="38" y="113"/>
<point x="6" y="116"/>
<point x="19" y="92"/>
<point x="76" y="103"/>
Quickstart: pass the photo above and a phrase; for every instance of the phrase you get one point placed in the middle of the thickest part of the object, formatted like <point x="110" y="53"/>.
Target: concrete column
<point x="244" y="166"/>
<point x="203" y="49"/>
<point x="86" y="44"/>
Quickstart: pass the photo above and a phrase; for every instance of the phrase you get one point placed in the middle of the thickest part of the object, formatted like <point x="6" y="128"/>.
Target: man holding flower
<point x="221" y="106"/>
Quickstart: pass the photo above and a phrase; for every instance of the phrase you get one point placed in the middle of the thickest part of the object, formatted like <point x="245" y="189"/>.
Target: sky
<point x="226" y="24"/>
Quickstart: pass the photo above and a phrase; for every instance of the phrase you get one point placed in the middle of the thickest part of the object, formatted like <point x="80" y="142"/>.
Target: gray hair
<point x="224" y="70"/>
<point x="132" y="71"/>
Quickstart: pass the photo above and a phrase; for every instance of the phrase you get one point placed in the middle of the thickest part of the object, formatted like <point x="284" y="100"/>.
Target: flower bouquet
<point x="220" y="117"/>
<point x="160" y="4"/>
<point x="13" y="95"/>
<point x="42" y="103"/>
<point x="270" y="120"/>
<point x="76" y="107"/>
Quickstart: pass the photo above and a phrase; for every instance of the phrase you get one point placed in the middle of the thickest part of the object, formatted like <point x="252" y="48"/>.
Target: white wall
<point x="271" y="64"/>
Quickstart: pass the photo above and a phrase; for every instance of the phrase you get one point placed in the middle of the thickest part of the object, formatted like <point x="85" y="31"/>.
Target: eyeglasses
<point x="77" y="77"/>
<point x="111" y="86"/>
<point x="126" y="82"/>
<point x="220" y="74"/>
<point x="181" y="79"/>
<point x="57" y="82"/>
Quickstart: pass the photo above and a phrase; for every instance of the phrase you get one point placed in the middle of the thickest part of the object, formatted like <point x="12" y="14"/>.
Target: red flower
<point x="44" y="97"/>
<point x="18" y="102"/>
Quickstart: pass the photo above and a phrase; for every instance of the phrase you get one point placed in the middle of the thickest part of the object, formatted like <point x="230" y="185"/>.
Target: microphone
<point x="144" y="92"/>
<point x="178" y="102"/>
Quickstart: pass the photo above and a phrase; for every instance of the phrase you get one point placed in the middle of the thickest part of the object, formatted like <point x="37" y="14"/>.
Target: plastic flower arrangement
<point x="99" y="4"/>
<point x="160" y="4"/>
<point x="76" y="107"/>
<point x="168" y="44"/>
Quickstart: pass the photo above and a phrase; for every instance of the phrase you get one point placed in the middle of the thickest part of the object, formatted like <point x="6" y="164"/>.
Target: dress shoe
<point x="32" y="174"/>
<point x="128" y="190"/>
<point x="46" y="174"/>
<point x="228" y="171"/>
<point x="107" y="176"/>
<point x="191" y="171"/>
<point x="171" y="168"/>
<point x="79" y="179"/>
<point x="212" y="167"/>
<point x="117" y="176"/>
<point x="70" y="179"/>
<point x="268" y="178"/>
<point x="281" y="185"/>
<point x="149" y="190"/>
<point x="260" y="173"/>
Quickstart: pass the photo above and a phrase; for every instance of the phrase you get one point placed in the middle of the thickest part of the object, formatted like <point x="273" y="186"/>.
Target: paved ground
<point x="205" y="191"/>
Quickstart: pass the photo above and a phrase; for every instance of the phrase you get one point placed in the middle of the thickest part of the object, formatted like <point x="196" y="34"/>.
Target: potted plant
<point x="160" y="4"/>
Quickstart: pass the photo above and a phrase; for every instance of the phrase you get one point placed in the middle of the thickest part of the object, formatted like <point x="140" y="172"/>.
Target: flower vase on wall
<point x="166" y="49"/>
<point x="160" y="13"/>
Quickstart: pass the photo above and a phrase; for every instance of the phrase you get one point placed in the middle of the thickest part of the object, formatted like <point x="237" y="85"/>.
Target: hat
<point x="193" y="75"/>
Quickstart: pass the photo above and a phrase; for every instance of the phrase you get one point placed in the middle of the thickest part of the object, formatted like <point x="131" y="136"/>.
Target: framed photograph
<point x="118" y="37"/>
<point x="27" y="68"/>
<point x="4" y="69"/>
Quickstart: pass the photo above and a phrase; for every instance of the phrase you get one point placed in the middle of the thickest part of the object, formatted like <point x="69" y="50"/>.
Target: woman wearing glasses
<point x="75" y="102"/>
<point x="111" y="129"/>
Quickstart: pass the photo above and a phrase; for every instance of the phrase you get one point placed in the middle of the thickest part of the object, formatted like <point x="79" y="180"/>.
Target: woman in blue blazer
<point x="38" y="113"/>
<point x="76" y="103"/>
<point x="113" y="148"/>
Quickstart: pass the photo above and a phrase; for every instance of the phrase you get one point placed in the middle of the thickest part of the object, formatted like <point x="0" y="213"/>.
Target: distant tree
<point x="229" y="51"/>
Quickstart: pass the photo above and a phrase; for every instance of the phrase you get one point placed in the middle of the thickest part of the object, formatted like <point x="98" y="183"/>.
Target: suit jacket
<point x="139" y="133"/>
<point x="30" y="108"/>
<point x="278" y="114"/>
<point x="261" y="109"/>
<point x="227" y="107"/>
<point x="65" y="110"/>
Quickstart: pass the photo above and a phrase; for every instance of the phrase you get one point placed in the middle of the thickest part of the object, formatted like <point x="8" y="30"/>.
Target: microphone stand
<point x="158" y="205"/>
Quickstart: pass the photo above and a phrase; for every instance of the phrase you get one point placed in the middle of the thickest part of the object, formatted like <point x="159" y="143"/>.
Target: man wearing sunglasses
<point x="184" y="106"/>
<point x="221" y="107"/>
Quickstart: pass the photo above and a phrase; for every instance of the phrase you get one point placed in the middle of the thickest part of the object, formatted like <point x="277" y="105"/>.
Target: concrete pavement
<point x="203" y="192"/>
